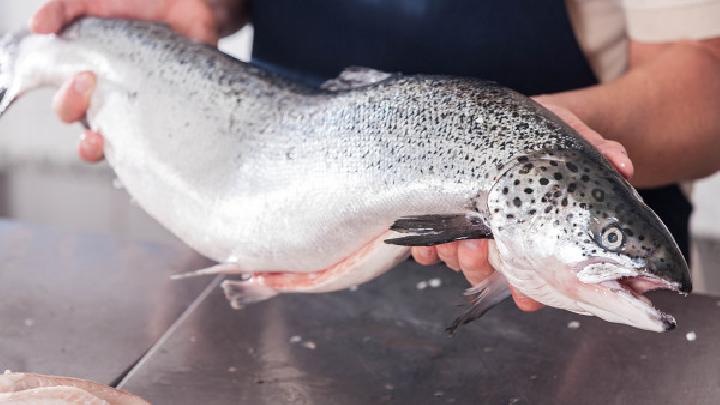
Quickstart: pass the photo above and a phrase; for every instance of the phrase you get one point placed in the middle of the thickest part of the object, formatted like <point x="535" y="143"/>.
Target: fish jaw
<point x="609" y="291"/>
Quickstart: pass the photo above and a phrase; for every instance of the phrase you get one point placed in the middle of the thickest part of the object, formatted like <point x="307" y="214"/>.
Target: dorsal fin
<point x="354" y="77"/>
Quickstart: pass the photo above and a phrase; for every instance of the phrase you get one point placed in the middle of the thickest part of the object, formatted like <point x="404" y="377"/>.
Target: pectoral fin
<point x="483" y="297"/>
<point x="431" y="230"/>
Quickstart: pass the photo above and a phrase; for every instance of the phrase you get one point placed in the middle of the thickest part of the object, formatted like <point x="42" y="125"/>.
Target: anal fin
<point x="245" y="292"/>
<point x="220" y="268"/>
<point x="431" y="230"/>
<point x="484" y="297"/>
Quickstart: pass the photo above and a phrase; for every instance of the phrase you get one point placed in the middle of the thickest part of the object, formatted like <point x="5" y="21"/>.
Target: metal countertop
<point x="386" y="342"/>
<point x="86" y="305"/>
<point x="91" y="305"/>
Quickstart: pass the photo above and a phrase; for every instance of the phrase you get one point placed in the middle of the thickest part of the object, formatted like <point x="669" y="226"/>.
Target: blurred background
<point x="43" y="181"/>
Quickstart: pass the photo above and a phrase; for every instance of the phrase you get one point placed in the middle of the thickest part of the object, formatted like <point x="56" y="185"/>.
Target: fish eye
<point x="612" y="237"/>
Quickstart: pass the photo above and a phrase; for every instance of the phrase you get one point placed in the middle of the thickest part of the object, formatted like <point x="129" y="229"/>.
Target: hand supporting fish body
<point x="315" y="190"/>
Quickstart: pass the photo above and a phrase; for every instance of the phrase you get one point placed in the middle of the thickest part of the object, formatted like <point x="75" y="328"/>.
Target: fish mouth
<point x="632" y="289"/>
<point x="616" y="292"/>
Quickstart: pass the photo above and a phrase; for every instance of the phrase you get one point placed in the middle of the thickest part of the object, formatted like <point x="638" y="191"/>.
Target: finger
<point x="55" y="14"/>
<point x="448" y="254"/>
<point x="524" y="302"/>
<point x="613" y="151"/>
<point x="425" y="255"/>
<point x="72" y="100"/>
<point x="193" y="19"/>
<point x="91" y="147"/>
<point x="617" y="155"/>
<point x="473" y="260"/>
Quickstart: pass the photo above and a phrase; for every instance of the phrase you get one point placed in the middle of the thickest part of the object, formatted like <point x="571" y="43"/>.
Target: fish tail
<point x="9" y="49"/>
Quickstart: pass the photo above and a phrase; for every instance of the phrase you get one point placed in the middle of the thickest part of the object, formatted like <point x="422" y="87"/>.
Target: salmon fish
<point x="303" y="189"/>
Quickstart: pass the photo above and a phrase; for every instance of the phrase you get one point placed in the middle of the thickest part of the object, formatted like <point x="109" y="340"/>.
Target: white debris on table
<point x="573" y="325"/>
<point x="295" y="339"/>
<point x="432" y="283"/>
<point x="309" y="345"/>
<point x="691" y="336"/>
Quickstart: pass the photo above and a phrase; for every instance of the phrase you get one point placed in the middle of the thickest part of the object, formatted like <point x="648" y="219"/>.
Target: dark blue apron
<point x="527" y="45"/>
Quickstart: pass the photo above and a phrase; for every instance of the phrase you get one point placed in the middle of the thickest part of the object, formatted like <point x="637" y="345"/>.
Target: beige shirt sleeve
<point x="669" y="20"/>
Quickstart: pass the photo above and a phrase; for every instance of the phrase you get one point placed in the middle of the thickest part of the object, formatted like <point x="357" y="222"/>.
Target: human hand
<point x="192" y="18"/>
<point x="471" y="256"/>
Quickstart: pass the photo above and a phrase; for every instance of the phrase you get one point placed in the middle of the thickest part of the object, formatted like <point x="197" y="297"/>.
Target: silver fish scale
<point x="346" y="163"/>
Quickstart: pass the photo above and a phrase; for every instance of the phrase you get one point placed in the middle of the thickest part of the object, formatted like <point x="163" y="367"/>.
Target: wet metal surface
<point x="86" y="305"/>
<point x="385" y="343"/>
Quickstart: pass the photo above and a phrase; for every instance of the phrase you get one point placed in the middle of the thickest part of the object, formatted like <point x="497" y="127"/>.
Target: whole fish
<point x="306" y="189"/>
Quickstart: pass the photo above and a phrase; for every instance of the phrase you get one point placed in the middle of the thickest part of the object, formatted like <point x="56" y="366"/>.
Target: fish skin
<point x="31" y="388"/>
<point x="254" y="170"/>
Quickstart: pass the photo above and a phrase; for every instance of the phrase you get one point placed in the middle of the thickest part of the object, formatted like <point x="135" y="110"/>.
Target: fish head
<point x="572" y="233"/>
<point x="9" y="50"/>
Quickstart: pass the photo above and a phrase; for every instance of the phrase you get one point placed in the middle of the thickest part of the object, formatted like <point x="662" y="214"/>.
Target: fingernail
<point x="83" y="83"/>
<point x="472" y="244"/>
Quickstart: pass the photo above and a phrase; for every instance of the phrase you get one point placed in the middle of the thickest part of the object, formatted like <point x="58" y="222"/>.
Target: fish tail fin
<point x="483" y="297"/>
<point x="244" y="292"/>
<point x="9" y="49"/>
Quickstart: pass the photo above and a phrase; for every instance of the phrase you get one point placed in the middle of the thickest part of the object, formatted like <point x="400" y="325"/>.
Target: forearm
<point x="665" y="111"/>
<point x="230" y="15"/>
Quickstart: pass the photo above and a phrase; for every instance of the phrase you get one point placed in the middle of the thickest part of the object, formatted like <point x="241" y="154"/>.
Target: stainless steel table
<point x="86" y="305"/>
<point x="385" y="342"/>
<point x="91" y="306"/>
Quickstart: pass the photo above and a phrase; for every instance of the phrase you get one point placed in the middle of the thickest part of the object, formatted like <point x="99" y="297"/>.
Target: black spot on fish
<point x="532" y="211"/>
<point x="572" y="187"/>
<point x="564" y="202"/>
<point x="523" y="159"/>
<point x="526" y="169"/>
<point x="557" y="194"/>
<point x="548" y="209"/>
<point x="544" y="181"/>
<point x="516" y="182"/>
<point x="510" y="216"/>
<point x="553" y="163"/>
<point x="496" y="210"/>
<point x="598" y="194"/>
<point x="556" y="222"/>
<point x="557" y="175"/>
<point x="528" y="191"/>
<point x="585" y="178"/>
<point x="582" y="205"/>
<point x="517" y="202"/>
<point x="571" y="166"/>
<point x="505" y="191"/>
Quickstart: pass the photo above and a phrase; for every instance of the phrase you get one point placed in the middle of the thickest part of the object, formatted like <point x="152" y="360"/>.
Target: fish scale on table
<point x="299" y="189"/>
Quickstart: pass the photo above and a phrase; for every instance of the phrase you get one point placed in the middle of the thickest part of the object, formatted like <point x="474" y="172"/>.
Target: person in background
<point x="643" y="74"/>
